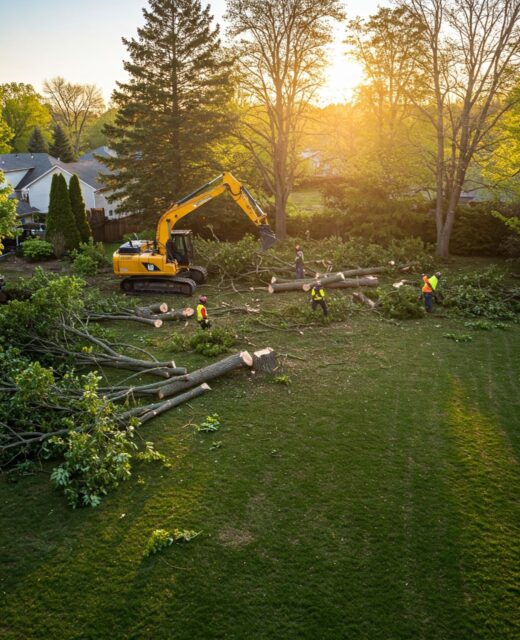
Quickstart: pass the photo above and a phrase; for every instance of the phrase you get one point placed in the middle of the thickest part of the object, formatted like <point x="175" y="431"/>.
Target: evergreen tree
<point x="37" y="143"/>
<point x="61" y="147"/>
<point x="78" y="209"/>
<point x="61" y="229"/>
<point x="173" y="111"/>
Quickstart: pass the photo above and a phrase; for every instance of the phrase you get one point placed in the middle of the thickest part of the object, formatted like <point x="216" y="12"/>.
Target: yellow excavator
<point x="165" y="265"/>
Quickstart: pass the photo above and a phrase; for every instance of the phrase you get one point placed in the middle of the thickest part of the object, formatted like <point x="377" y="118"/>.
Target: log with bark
<point x="147" y="412"/>
<point x="363" y="272"/>
<point x="215" y="370"/>
<point x="357" y="296"/>
<point x="151" y="310"/>
<point x="352" y="283"/>
<point x="304" y="285"/>
<point x="264" y="360"/>
<point x="97" y="317"/>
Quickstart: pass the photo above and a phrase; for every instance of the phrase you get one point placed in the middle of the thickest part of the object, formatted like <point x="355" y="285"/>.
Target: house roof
<point x="104" y="152"/>
<point x="36" y="165"/>
<point x="88" y="171"/>
<point x="22" y="207"/>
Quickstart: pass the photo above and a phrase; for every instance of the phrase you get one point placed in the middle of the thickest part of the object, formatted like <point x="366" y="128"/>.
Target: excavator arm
<point x="209" y="191"/>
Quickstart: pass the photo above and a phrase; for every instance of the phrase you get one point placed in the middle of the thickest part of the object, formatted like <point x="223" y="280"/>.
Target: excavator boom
<point x="191" y="202"/>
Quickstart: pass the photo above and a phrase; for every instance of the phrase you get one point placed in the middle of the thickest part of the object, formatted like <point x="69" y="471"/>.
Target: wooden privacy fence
<point x="105" y="230"/>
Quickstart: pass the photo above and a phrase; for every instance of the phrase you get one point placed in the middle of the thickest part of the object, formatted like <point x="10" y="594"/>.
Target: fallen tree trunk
<point x="352" y="283"/>
<point x="205" y="374"/>
<point x="265" y="360"/>
<point x="305" y="285"/>
<point x="363" y="272"/>
<point x="95" y="317"/>
<point x="357" y="296"/>
<point x="150" y="411"/>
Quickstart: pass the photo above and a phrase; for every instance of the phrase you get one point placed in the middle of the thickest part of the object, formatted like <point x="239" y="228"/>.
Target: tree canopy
<point x="173" y="111"/>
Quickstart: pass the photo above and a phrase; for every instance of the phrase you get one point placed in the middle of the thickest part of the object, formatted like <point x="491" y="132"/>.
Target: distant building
<point x="30" y="175"/>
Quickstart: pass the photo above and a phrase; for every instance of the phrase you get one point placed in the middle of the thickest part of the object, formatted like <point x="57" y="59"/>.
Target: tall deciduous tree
<point x="173" y="110"/>
<point x="37" y="143"/>
<point x="281" y="46"/>
<point x="7" y="211"/>
<point x="73" y="106"/>
<point x="5" y="136"/>
<point x="61" y="147"/>
<point x="61" y="230"/>
<point x="471" y="64"/>
<point x="388" y="45"/>
<point x="78" y="209"/>
<point x="23" y="110"/>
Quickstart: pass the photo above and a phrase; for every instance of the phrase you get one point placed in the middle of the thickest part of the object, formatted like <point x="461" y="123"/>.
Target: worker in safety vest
<point x="318" y="298"/>
<point x="202" y="313"/>
<point x="430" y="284"/>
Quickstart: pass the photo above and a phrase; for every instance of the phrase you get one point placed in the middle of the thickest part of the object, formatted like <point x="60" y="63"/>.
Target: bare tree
<point x="471" y="67"/>
<point x="73" y="106"/>
<point x="281" y="54"/>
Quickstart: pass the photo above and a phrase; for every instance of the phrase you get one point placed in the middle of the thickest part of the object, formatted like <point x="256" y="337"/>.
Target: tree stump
<point x="265" y="360"/>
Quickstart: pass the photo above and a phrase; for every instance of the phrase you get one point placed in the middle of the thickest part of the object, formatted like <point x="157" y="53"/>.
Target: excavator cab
<point x="180" y="248"/>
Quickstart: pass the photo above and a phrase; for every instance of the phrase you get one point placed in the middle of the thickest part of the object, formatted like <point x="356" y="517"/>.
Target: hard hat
<point x="297" y="247"/>
<point x="438" y="274"/>
<point x="203" y="299"/>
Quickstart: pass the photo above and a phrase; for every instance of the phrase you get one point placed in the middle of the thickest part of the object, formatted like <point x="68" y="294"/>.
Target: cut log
<point x="182" y="314"/>
<point x="357" y="296"/>
<point x="265" y="360"/>
<point x="210" y="372"/>
<point x="363" y="272"/>
<point x="304" y="285"/>
<point x="161" y="407"/>
<point x="352" y="283"/>
<point x="325" y="280"/>
<point x="147" y="312"/>
<point x="398" y="285"/>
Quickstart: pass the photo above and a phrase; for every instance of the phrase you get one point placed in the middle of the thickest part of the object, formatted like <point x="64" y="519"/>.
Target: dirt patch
<point x="231" y="537"/>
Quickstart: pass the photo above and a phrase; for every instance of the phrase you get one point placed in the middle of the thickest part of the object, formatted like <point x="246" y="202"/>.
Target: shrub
<point x="36" y="249"/>
<point x="401" y="304"/>
<point x="211" y="343"/>
<point x="84" y="265"/>
<point x="89" y="258"/>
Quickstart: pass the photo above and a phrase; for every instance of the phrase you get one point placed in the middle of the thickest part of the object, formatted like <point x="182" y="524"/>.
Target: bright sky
<point x="81" y="41"/>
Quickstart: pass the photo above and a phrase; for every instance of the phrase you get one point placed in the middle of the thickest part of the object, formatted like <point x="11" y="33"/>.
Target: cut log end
<point x="205" y="386"/>
<point x="188" y="312"/>
<point x="157" y="324"/>
<point x="270" y="288"/>
<point x="246" y="358"/>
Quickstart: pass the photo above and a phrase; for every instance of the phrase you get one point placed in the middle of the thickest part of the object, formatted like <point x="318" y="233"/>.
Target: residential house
<point x="30" y="175"/>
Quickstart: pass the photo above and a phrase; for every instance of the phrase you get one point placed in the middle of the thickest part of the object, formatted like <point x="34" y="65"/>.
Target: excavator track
<point x="198" y="274"/>
<point x="173" y="285"/>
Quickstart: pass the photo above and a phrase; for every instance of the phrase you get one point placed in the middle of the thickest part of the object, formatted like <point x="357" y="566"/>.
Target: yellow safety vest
<point x="200" y="317"/>
<point x="317" y="295"/>
<point x="433" y="282"/>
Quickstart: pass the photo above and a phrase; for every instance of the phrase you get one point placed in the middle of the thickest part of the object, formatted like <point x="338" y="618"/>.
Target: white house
<point x="30" y="175"/>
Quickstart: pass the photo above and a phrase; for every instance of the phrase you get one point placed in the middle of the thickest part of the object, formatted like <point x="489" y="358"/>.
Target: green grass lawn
<point x="375" y="497"/>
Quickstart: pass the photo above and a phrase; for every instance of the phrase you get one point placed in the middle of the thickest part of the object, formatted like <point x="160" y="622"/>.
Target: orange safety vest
<point x="426" y="287"/>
